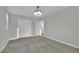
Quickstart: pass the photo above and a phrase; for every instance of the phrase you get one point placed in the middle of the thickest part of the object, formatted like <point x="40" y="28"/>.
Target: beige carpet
<point x="38" y="44"/>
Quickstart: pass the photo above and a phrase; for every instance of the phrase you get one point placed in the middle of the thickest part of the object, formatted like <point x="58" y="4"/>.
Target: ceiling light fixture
<point x="37" y="12"/>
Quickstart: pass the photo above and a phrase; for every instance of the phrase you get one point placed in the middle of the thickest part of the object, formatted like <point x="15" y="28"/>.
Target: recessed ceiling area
<point x="28" y="10"/>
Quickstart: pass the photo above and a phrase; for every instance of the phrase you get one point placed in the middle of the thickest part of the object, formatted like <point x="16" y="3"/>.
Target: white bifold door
<point x="24" y="28"/>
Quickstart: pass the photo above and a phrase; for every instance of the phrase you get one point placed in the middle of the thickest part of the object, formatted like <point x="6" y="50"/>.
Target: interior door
<point x="24" y="28"/>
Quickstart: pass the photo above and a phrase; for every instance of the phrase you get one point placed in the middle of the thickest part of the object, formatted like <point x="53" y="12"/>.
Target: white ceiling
<point x="28" y="10"/>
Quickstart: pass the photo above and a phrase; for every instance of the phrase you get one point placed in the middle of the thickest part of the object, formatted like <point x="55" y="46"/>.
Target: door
<point x="24" y="28"/>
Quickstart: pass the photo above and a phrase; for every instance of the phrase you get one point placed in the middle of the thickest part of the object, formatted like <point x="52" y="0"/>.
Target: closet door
<point x="24" y="28"/>
<point x="39" y="25"/>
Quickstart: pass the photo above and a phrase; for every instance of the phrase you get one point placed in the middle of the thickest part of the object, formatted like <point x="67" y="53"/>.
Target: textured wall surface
<point x="64" y="26"/>
<point x="3" y="30"/>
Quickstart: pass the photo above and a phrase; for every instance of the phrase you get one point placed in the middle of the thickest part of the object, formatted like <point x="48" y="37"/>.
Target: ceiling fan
<point x="37" y="12"/>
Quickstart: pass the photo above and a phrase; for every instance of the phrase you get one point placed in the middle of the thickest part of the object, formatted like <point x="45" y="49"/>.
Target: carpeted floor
<point x="37" y="44"/>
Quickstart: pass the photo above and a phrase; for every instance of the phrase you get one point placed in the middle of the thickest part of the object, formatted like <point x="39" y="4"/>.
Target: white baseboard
<point x="22" y="37"/>
<point x="3" y="45"/>
<point x="63" y="42"/>
<point x="13" y="38"/>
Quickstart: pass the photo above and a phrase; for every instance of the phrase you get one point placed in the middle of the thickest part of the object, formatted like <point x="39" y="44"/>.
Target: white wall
<point x="64" y="26"/>
<point x="12" y="31"/>
<point x="3" y="30"/>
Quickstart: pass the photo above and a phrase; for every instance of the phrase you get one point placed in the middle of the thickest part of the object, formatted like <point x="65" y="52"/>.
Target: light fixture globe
<point x="37" y="13"/>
